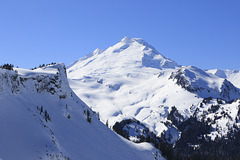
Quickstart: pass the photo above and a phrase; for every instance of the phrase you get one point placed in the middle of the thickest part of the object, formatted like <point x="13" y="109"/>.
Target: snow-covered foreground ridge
<point x="131" y="82"/>
<point x="42" y="118"/>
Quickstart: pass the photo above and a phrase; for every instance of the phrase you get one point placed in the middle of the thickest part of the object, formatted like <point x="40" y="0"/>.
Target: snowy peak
<point x="220" y="73"/>
<point x="130" y="40"/>
<point x="232" y="76"/>
<point x="128" y="53"/>
<point x="204" y="84"/>
<point x="229" y="91"/>
<point x="150" y="57"/>
<point x="97" y="51"/>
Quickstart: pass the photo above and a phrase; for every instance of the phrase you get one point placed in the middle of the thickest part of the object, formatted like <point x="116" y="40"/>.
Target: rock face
<point x="15" y="83"/>
<point x="42" y="118"/>
<point x="145" y="96"/>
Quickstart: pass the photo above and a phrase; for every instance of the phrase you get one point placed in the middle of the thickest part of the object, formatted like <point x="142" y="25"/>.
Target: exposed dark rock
<point x="175" y="117"/>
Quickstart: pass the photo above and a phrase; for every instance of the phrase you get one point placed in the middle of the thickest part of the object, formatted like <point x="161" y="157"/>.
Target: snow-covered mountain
<point x="205" y="85"/>
<point x="42" y="118"/>
<point x="232" y="76"/>
<point x="129" y="53"/>
<point x="141" y="93"/>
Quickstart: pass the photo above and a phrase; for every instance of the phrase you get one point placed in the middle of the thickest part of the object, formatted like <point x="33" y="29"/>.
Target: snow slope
<point x="41" y="118"/>
<point x="131" y="80"/>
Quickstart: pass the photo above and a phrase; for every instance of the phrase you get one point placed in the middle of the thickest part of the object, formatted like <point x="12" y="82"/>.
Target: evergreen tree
<point x="7" y="66"/>
<point x="107" y="123"/>
<point x="88" y="116"/>
<point x="68" y="116"/>
<point x="41" y="110"/>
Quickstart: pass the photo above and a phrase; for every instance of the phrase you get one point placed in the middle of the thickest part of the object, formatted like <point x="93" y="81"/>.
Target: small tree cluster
<point x="40" y="109"/>
<point x="40" y="66"/>
<point x="43" y="65"/>
<point x="33" y="68"/>
<point x="7" y="66"/>
<point x="45" y="114"/>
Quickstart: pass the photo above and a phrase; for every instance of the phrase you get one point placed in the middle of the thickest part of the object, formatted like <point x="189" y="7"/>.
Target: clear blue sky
<point x="203" y="33"/>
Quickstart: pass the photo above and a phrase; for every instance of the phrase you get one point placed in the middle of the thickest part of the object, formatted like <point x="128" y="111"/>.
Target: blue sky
<point x="203" y="33"/>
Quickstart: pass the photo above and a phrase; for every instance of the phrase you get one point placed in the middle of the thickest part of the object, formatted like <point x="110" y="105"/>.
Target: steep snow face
<point x="41" y="118"/>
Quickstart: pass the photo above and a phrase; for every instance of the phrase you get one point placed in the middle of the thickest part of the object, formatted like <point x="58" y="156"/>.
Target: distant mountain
<point x="232" y="76"/>
<point x="145" y="96"/>
<point x="205" y="85"/>
<point x="42" y="118"/>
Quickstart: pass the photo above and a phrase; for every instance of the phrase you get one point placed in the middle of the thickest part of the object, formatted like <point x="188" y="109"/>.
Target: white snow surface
<point x="26" y="134"/>
<point x="132" y="80"/>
